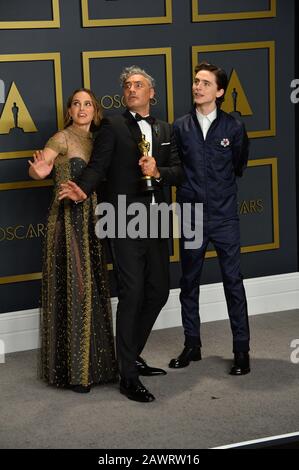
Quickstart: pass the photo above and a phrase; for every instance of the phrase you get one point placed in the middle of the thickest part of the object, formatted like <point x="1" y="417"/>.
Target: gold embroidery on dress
<point x="76" y="322"/>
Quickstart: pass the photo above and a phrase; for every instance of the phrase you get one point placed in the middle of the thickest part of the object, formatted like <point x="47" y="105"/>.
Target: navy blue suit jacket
<point x="211" y="165"/>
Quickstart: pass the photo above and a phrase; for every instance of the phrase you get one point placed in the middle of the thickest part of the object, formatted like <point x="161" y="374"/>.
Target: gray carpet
<point x="198" y="407"/>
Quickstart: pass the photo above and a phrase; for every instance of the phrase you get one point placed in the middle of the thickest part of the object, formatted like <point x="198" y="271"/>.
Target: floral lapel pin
<point x="225" y="142"/>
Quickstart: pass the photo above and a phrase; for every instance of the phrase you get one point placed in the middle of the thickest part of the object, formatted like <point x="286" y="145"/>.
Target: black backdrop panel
<point x="231" y="6"/>
<point x="31" y="10"/>
<point x="101" y="9"/>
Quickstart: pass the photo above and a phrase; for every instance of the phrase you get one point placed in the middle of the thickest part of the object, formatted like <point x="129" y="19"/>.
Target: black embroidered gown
<point x="77" y="346"/>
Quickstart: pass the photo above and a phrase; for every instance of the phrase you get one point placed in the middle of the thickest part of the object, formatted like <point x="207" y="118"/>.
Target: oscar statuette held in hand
<point x="147" y="183"/>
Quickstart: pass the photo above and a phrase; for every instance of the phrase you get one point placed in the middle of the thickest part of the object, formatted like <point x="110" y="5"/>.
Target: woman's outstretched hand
<point x="71" y="190"/>
<point x="39" y="167"/>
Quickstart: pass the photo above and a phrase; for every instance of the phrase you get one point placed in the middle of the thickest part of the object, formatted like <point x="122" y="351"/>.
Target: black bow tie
<point x="150" y="119"/>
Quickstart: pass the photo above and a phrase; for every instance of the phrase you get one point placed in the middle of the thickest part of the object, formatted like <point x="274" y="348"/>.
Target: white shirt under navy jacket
<point x="211" y="164"/>
<point x="205" y="121"/>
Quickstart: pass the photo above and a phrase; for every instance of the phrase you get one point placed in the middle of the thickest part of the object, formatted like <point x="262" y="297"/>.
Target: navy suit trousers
<point x="225" y="236"/>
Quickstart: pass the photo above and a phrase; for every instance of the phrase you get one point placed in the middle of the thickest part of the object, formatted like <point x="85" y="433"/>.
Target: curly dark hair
<point x="220" y="74"/>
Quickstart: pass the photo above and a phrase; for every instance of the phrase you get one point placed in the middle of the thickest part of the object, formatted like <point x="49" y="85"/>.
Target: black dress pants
<point x="142" y="271"/>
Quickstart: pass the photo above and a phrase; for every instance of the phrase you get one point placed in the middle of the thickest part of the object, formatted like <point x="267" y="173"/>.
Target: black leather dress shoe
<point x="135" y="390"/>
<point x="80" y="388"/>
<point x="188" y="354"/>
<point x="144" y="369"/>
<point x="241" y="364"/>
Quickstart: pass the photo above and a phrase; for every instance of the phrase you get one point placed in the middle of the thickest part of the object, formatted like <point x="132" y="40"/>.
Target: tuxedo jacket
<point x="113" y="168"/>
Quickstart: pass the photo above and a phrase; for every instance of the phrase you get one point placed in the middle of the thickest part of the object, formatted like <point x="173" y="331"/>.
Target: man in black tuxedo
<point x="141" y="264"/>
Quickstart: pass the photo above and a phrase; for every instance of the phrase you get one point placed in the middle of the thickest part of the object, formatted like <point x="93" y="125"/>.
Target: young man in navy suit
<point x="213" y="148"/>
<point x="141" y="265"/>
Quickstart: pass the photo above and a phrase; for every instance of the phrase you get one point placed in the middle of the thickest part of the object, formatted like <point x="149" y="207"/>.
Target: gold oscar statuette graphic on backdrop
<point x="15" y="116"/>
<point x="236" y="101"/>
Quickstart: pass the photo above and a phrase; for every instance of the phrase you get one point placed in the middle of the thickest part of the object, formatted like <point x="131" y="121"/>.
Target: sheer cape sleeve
<point x="58" y="143"/>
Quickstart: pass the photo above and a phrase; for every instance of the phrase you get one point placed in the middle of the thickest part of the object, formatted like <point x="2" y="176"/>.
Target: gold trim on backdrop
<point x="275" y="210"/>
<point x="20" y="278"/>
<point x="270" y="45"/>
<point x="166" y="51"/>
<point x="21" y="154"/>
<point x="244" y="15"/>
<point x="55" y="57"/>
<point x="87" y="22"/>
<point x="23" y="185"/>
<point x="35" y="24"/>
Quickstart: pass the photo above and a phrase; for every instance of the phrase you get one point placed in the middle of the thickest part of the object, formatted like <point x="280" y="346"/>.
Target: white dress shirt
<point x="146" y="129"/>
<point x="205" y="121"/>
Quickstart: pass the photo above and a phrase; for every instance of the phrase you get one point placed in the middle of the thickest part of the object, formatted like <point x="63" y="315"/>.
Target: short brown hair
<point x="220" y="75"/>
<point x="97" y="107"/>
